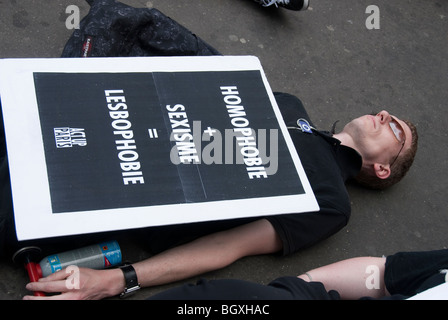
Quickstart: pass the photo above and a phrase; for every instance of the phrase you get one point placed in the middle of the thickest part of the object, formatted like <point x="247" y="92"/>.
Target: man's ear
<point x="382" y="171"/>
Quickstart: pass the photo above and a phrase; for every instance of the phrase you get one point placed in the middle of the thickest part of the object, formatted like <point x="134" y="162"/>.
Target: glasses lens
<point x="397" y="130"/>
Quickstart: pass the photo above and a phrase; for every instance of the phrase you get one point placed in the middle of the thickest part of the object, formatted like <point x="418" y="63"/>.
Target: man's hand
<point x="73" y="283"/>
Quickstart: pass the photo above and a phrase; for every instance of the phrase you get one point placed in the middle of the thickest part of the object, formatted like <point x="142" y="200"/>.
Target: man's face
<point x="375" y="138"/>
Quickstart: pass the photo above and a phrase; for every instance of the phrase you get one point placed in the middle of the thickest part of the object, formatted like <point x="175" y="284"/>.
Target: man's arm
<point x="205" y="254"/>
<point x="352" y="278"/>
<point x="209" y="253"/>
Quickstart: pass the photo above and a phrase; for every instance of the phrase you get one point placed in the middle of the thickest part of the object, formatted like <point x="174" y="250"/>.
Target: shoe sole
<point x="306" y="4"/>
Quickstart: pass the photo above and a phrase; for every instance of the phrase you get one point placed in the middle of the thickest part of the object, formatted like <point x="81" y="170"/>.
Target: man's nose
<point x="384" y="116"/>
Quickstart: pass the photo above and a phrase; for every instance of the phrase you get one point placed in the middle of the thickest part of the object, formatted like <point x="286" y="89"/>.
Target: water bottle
<point x="98" y="256"/>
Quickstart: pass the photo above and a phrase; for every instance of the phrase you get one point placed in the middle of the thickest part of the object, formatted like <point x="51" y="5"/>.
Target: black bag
<point x="112" y="29"/>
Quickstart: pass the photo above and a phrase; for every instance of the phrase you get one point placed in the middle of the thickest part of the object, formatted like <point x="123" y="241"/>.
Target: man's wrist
<point x="116" y="282"/>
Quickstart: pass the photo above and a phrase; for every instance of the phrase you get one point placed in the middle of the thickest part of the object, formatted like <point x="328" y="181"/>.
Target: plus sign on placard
<point x="210" y="131"/>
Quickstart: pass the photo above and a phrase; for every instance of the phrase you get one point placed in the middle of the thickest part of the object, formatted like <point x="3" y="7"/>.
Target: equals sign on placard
<point x="153" y="133"/>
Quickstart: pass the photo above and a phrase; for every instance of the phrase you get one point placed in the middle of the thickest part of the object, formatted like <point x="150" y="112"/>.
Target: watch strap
<point x="130" y="278"/>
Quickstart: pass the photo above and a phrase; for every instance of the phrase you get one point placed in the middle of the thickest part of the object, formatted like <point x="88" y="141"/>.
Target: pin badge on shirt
<point x="305" y="126"/>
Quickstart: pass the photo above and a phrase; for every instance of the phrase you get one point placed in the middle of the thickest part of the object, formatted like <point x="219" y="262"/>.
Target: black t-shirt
<point x="328" y="165"/>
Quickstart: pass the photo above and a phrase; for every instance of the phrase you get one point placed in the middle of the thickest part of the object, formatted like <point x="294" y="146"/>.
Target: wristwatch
<point x="130" y="277"/>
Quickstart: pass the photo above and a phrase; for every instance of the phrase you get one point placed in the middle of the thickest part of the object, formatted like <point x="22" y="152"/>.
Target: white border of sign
<point x="29" y="181"/>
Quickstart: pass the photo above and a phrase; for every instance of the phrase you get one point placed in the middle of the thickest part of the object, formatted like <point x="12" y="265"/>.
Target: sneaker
<point x="296" y="5"/>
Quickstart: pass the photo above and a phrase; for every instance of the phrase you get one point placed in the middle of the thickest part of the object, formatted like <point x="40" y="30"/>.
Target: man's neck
<point x="346" y="139"/>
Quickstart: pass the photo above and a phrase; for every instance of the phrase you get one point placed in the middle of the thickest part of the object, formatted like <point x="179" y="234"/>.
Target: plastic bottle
<point x="98" y="256"/>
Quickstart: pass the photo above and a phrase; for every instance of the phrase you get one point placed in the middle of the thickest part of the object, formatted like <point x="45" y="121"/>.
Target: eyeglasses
<point x="398" y="131"/>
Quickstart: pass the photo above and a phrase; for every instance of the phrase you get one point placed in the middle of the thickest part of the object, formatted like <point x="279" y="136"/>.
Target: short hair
<point x="398" y="170"/>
